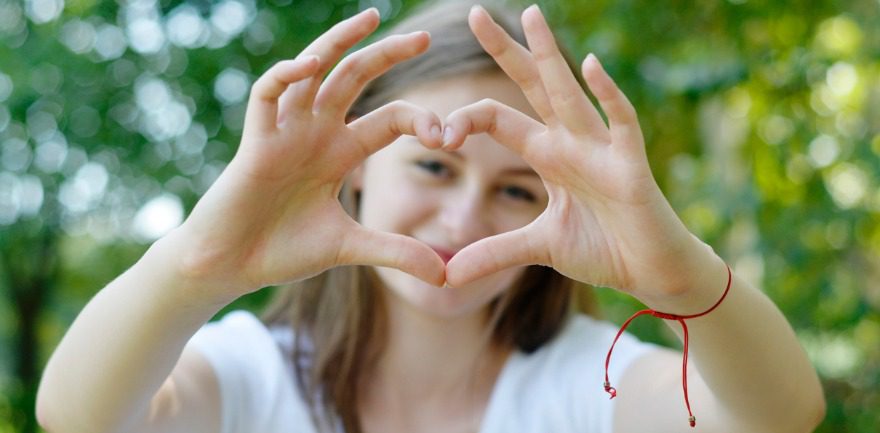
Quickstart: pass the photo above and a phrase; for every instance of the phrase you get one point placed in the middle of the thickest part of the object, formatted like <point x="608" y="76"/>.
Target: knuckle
<point x="531" y="82"/>
<point x="568" y="98"/>
<point x="353" y="67"/>
<point x="543" y="55"/>
<point x="397" y="106"/>
<point x="488" y="104"/>
<point x="497" y="49"/>
<point x="387" y="56"/>
<point x="628" y="108"/>
<point x="350" y="64"/>
<point x="338" y="46"/>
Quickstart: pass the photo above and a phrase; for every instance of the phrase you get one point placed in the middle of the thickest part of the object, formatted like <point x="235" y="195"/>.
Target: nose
<point x="465" y="217"/>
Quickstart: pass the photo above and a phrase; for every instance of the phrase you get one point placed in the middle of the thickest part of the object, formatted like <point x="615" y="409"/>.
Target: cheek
<point x="391" y="203"/>
<point x="508" y="219"/>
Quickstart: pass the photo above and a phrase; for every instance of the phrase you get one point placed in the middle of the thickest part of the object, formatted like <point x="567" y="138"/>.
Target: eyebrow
<point x="520" y="172"/>
<point x="513" y="171"/>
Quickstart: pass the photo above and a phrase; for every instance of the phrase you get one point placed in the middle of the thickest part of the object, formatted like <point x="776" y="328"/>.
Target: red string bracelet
<point x="680" y="319"/>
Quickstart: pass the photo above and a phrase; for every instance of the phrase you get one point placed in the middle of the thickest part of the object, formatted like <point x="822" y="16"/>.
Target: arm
<point x="608" y="224"/>
<point x="113" y="364"/>
<point x="119" y="367"/>
<point x="747" y="359"/>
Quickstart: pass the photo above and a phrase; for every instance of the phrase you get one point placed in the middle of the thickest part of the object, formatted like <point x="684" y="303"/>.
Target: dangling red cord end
<point x="610" y="390"/>
<point x="613" y="392"/>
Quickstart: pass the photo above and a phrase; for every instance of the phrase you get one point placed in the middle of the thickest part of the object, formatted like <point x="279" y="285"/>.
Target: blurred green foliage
<point x="762" y="121"/>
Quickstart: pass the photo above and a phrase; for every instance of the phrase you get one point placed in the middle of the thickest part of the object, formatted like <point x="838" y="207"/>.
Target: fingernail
<point x="447" y="136"/>
<point x="595" y="60"/>
<point x="484" y="12"/>
<point x="373" y="10"/>
<point x="435" y="132"/>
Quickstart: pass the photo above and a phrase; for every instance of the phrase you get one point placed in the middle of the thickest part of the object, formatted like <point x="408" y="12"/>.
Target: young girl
<point x="468" y="234"/>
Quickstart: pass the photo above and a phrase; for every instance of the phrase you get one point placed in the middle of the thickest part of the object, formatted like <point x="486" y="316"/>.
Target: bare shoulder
<point x="189" y="400"/>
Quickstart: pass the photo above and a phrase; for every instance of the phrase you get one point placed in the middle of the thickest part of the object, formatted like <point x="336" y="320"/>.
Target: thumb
<point x="496" y="253"/>
<point x="374" y="248"/>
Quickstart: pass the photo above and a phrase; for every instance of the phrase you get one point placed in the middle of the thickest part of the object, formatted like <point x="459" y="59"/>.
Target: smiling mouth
<point x="444" y="254"/>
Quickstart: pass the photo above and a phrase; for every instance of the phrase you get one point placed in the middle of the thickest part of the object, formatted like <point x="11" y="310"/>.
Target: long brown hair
<point x="338" y="317"/>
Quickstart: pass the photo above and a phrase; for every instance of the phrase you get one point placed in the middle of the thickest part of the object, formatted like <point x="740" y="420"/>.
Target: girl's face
<point x="450" y="200"/>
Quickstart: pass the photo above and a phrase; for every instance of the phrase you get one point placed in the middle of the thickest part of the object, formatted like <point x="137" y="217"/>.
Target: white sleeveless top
<point x="558" y="388"/>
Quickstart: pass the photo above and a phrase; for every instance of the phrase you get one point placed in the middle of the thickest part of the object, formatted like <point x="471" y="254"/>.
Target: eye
<point x="435" y="168"/>
<point x="517" y="193"/>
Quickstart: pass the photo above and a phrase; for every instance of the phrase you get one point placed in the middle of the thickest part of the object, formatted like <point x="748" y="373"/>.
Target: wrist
<point x="699" y="281"/>
<point x="670" y="311"/>
<point x="169" y="258"/>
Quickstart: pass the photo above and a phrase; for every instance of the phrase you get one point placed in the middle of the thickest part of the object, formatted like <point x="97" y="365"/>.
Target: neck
<point x="447" y="364"/>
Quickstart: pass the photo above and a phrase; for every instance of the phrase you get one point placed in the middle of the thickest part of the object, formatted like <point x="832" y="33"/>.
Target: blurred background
<point x="762" y="120"/>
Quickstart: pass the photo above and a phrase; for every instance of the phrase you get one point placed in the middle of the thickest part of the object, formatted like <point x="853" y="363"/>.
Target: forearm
<point x="122" y="346"/>
<point x="749" y="357"/>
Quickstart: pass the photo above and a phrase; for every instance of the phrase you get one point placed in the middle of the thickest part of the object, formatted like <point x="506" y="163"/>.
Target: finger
<point x="373" y="248"/>
<point x="348" y="80"/>
<point x="329" y="47"/>
<point x="506" y="125"/>
<point x="262" y="110"/>
<point x="385" y="124"/>
<point x="622" y="118"/>
<point x="514" y="59"/>
<point x="567" y="97"/>
<point x="494" y="254"/>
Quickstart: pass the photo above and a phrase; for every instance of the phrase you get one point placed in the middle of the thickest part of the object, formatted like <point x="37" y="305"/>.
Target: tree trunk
<point x="30" y="262"/>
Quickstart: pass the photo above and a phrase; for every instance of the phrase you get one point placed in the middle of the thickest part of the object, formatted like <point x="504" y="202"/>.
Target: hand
<point x="607" y="222"/>
<point x="273" y="215"/>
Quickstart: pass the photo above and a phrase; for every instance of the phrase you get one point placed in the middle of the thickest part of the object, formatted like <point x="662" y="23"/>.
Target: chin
<point x="444" y="302"/>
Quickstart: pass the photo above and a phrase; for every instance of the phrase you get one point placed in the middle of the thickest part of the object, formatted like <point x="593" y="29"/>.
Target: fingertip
<point x="298" y="69"/>
<point x="439" y="278"/>
<point x="450" y="274"/>
<point x="372" y="16"/>
<point x="448" y="137"/>
<point x="598" y="80"/>
<point x="435" y="277"/>
<point x="531" y="11"/>
<point x="373" y="11"/>
<point x="433" y="138"/>
<point x="433" y="272"/>
<point x="454" y="277"/>
<point x="588" y="66"/>
<point x="311" y="62"/>
<point x="591" y="62"/>
<point x="478" y="11"/>
<point x="532" y="18"/>
<point x="436" y="136"/>
<point x="425" y="126"/>
<point x="423" y="38"/>
<point x="473" y="16"/>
